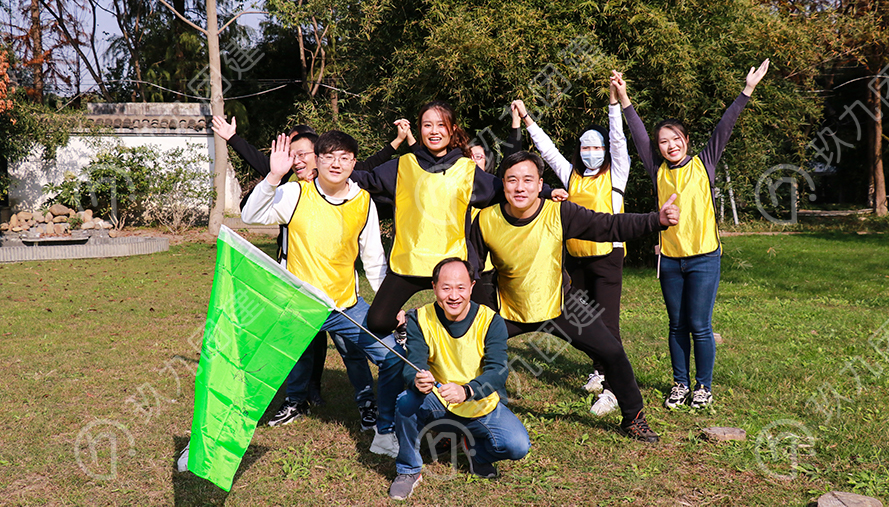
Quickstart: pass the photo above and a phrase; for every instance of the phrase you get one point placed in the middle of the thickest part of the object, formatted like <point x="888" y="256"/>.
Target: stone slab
<point x="724" y="434"/>
<point x="841" y="499"/>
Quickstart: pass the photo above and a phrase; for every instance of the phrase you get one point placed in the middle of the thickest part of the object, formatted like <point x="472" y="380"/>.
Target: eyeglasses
<point x="303" y="155"/>
<point x="328" y="159"/>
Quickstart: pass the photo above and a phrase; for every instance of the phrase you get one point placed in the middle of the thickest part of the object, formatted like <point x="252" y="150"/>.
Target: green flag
<point x="260" y="320"/>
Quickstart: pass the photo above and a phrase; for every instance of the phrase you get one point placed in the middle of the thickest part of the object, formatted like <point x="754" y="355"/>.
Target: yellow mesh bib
<point x="697" y="232"/>
<point x="430" y="215"/>
<point x="458" y="360"/>
<point x="528" y="261"/>
<point x="322" y="241"/>
<point x="593" y="194"/>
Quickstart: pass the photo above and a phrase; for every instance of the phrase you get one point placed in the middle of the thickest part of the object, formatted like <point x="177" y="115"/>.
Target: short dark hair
<point x="299" y="130"/>
<point x="519" y="157"/>
<point x="335" y="140"/>
<point x="311" y="136"/>
<point x="444" y="262"/>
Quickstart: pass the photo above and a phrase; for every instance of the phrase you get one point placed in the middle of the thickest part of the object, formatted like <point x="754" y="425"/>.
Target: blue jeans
<point x="356" y="369"/>
<point x="390" y="381"/>
<point x="493" y="437"/>
<point x="689" y="286"/>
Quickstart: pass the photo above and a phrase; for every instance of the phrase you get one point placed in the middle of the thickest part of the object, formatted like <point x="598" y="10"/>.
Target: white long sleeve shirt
<point x="270" y="205"/>
<point x="620" y="158"/>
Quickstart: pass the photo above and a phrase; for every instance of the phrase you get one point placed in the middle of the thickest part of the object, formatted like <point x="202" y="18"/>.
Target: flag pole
<point x="412" y="365"/>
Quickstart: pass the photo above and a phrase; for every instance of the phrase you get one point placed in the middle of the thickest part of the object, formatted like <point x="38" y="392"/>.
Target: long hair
<point x="577" y="163"/>
<point x="459" y="137"/>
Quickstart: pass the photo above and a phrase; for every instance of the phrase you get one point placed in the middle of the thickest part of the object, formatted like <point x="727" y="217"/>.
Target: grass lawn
<point x="97" y="363"/>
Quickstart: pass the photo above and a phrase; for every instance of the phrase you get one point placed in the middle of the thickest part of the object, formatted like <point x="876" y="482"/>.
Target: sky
<point x="107" y="28"/>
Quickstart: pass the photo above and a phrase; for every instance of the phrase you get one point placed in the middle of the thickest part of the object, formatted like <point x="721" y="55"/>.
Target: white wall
<point x="30" y="175"/>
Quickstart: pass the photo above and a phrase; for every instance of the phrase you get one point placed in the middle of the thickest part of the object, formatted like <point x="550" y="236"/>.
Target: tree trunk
<point x="216" y="106"/>
<point x="37" y="45"/>
<point x="876" y="153"/>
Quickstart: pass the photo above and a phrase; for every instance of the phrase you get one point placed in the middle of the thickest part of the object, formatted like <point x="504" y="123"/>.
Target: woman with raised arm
<point x="689" y="263"/>
<point x="596" y="177"/>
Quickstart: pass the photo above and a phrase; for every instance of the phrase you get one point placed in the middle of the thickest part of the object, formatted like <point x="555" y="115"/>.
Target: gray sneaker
<point x="404" y="485"/>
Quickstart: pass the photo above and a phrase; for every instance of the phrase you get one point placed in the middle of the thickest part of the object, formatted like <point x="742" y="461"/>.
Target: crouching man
<point x="462" y="346"/>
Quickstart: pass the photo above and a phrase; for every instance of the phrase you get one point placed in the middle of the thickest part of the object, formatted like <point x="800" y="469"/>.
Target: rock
<point x="71" y="213"/>
<point x="840" y="499"/>
<point x="113" y="234"/>
<point x="25" y="227"/>
<point x="14" y="221"/>
<point x="60" y="228"/>
<point x="57" y="220"/>
<point x="721" y="434"/>
<point x="32" y="223"/>
<point x="106" y="225"/>
<point x="718" y="338"/>
<point x="25" y="215"/>
<point x="16" y="229"/>
<point x="87" y="215"/>
<point x="59" y="209"/>
<point x="4" y="227"/>
<point x="48" y="217"/>
<point x="88" y="225"/>
<point x="39" y="218"/>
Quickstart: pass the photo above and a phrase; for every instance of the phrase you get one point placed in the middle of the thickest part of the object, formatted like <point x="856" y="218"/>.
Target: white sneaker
<point x="182" y="462"/>
<point x="594" y="382"/>
<point x="605" y="404"/>
<point x="678" y="396"/>
<point x="385" y="444"/>
<point x="701" y="398"/>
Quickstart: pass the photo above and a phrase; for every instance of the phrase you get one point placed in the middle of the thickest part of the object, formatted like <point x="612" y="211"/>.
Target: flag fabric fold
<point x="260" y="320"/>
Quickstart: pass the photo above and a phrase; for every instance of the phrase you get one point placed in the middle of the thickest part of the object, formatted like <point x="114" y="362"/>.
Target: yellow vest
<point x="697" y="232"/>
<point x="488" y="264"/>
<point x="593" y="193"/>
<point x="322" y="242"/>
<point x="430" y="215"/>
<point x="528" y="261"/>
<point x="458" y="360"/>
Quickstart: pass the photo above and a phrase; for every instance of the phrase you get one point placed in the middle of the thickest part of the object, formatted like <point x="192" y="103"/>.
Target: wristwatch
<point x="468" y="391"/>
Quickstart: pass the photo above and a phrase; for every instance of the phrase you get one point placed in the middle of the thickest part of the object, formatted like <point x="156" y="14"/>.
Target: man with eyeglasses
<point x="330" y="223"/>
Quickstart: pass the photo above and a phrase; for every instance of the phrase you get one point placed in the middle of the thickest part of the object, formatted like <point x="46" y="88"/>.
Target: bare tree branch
<point x="183" y="18"/>
<point x="239" y="15"/>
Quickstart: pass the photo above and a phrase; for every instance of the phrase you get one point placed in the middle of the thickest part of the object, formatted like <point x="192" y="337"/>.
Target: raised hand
<point x="518" y="108"/>
<point x="559" y="195"/>
<point x="669" y="213"/>
<point x="620" y="88"/>
<point x="280" y="160"/>
<point x="754" y="76"/>
<point x="224" y="129"/>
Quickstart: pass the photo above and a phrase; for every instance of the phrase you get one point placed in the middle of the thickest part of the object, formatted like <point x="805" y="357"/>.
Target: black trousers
<point x="602" y="279"/>
<point x="394" y="293"/>
<point x="589" y="335"/>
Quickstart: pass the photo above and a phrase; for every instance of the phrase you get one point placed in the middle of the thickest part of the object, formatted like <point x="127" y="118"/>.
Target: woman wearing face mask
<point x="595" y="177"/>
<point x="689" y="252"/>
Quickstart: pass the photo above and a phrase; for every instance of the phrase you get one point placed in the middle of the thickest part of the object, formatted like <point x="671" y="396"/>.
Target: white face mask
<point x="592" y="159"/>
